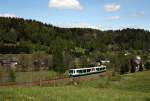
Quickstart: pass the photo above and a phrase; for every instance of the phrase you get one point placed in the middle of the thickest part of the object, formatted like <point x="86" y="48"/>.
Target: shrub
<point x="12" y="75"/>
<point x="124" y="68"/>
<point x="141" y="67"/>
<point x="147" y="65"/>
<point x="58" y="63"/>
<point x="133" y="68"/>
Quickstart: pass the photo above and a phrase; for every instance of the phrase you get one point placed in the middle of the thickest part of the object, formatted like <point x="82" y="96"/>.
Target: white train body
<point x="87" y="71"/>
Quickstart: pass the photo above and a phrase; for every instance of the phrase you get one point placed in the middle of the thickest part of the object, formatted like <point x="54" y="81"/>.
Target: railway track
<point x="55" y="80"/>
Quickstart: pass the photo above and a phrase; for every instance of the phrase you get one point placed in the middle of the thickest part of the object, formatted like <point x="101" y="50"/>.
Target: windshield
<point x="70" y="71"/>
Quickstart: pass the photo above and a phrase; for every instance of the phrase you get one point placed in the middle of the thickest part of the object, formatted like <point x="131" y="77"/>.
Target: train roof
<point x="88" y="68"/>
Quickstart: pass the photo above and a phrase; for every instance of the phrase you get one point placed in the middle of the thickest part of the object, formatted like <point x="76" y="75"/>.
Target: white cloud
<point x="111" y="7"/>
<point x="8" y="15"/>
<point x="65" y="4"/>
<point x="114" y="18"/>
<point x="139" y="13"/>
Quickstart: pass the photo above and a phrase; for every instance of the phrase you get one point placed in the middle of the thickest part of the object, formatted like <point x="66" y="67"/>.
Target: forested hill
<point x="18" y="35"/>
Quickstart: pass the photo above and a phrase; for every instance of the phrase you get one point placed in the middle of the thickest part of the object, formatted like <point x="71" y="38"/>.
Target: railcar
<point x="87" y="71"/>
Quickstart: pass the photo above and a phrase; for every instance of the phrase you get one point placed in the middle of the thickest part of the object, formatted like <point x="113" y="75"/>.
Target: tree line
<point x="37" y="36"/>
<point x="68" y="46"/>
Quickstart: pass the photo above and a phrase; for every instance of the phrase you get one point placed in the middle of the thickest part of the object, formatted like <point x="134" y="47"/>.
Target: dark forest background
<point x="60" y="48"/>
<point x="19" y="35"/>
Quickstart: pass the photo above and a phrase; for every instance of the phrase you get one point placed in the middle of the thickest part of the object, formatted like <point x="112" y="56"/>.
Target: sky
<point x="98" y="14"/>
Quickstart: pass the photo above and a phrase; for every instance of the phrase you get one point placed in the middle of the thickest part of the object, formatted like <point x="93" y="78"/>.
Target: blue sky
<point x="100" y="14"/>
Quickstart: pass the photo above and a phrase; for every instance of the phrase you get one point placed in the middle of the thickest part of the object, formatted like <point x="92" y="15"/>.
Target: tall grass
<point x="27" y="76"/>
<point x="130" y="87"/>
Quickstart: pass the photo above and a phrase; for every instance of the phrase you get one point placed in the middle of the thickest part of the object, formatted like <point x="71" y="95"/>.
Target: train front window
<point x="71" y="71"/>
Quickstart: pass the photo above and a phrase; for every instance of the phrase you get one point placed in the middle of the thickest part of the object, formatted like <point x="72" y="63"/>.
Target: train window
<point x="84" y="71"/>
<point x="88" y="70"/>
<point x="71" y="71"/>
<point x="97" y="69"/>
<point x="78" y="71"/>
<point x="93" y="69"/>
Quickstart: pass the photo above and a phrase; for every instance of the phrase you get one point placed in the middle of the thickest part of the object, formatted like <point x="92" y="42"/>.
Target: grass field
<point x="130" y="87"/>
<point x="31" y="76"/>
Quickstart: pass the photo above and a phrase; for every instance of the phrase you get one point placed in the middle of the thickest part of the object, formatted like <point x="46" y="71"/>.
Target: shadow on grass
<point x="147" y="99"/>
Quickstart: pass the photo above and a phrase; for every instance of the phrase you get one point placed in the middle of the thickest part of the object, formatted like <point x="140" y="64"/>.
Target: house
<point x="8" y="63"/>
<point x="103" y="61"/>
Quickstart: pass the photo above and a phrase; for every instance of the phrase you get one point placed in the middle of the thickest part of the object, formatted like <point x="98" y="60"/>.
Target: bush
<point x="141" y="67"/>
<point x="12" y="75"/>
<point x="124" y="68"/>
<point x="147" y="65"/>
<point x="58" y="63"/>
<point x="133" y="68"/>
<point x="24" y="62"/>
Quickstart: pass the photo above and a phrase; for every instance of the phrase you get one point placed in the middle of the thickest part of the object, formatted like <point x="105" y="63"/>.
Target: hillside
<point x="59" y="49"/>
<point x="18" y="35"/>
<point x="130" y="87"/>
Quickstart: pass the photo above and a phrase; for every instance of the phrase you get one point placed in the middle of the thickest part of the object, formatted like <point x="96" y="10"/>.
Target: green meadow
<point x="128" y="87"/>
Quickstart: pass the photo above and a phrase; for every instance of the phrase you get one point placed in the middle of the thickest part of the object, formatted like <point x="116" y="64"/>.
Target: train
<point x="87" y="71"/>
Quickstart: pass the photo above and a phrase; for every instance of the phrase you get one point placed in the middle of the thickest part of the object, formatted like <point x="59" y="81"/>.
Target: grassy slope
<point x="131" y="87"/>
<point x="32" y="76"/>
